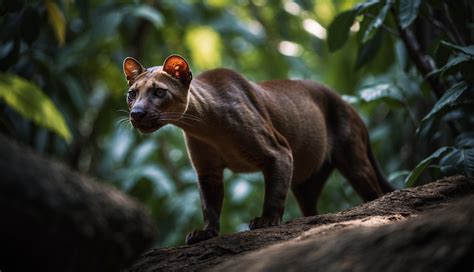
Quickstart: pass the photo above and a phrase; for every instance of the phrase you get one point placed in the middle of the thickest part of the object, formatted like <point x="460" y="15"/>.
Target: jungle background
<point x="62" y="90"/>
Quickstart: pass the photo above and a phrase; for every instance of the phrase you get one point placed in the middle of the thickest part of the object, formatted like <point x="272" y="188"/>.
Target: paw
<point x="264" y="222"/>
<point x="197" y="236"/>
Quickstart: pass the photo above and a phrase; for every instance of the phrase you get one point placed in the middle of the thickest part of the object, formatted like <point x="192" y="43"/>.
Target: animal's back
<point x="298" y="110"/>
<point x="307" y="114"/>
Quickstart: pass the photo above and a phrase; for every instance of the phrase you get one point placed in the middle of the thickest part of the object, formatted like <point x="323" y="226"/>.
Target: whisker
<point x="179" y="118"/>
<point x="180" y="115"/>
<point x="121" y="120"/>
<point x="123" y="123"/>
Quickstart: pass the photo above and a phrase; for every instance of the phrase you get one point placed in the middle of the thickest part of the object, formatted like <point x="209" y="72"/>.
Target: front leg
<point x="277" y="171"/>
<point x="211" y="189"/>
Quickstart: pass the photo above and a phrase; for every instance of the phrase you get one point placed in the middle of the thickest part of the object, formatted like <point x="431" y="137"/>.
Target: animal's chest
<point x="238" y="159"/>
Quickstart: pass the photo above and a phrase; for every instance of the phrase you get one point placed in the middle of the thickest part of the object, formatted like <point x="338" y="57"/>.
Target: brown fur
<point x="294" y="131"/>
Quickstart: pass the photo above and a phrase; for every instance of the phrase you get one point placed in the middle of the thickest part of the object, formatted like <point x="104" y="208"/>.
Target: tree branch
<point x="424" y="63"/>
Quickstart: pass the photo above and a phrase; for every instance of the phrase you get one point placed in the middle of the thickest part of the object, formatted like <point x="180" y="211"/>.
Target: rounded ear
<point x="177" y="67"/>
<point x="132" y="68"/>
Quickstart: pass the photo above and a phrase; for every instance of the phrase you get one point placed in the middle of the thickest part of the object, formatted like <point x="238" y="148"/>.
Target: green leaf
<point x="408" y="11"/>
<point x="377" y="22"/>
<point x="452" y="62"/>
<point x="462" y="62"/>
<point x="57" y="21"/>
<point x="458" y="161"/>
<point x="338" y="30"/>
<point x="448" y="98"/>
<point x="385" y="92"/>
<point x="416" y="172"/>
<point x="468" y="50"/>
<point x="30" y="101"/>
<point x="351" y="99"/>
<point x="397" y="174"/>
<point x="368" y="51"/>
<point x="148" y="13"/>
<point x="465" y="139"/>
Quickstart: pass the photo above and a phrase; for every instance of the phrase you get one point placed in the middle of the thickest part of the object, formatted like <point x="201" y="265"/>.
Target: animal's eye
<point x="160" y="92"/>
<point x="132" y="94"/>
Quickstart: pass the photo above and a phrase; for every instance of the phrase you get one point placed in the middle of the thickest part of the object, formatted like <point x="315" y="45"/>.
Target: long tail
<point x="384" y="184"/>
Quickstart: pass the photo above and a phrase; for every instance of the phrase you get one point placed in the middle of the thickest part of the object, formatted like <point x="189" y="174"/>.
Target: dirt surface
<point x="284" y="247"/>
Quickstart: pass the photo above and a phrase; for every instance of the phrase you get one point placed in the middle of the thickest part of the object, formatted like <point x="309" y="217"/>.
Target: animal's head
<point x="157" y="95"/>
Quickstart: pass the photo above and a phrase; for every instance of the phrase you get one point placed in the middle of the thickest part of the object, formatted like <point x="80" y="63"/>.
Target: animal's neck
<point x="195" y="120"/>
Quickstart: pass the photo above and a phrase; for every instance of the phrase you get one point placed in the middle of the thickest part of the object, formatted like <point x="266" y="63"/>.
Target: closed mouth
<point x="146" y="128"/>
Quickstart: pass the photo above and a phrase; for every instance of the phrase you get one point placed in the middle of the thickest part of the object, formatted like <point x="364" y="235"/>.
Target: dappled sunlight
<point x="205" y="45"/>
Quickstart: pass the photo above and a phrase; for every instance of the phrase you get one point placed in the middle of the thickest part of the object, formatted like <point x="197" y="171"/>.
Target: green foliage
<point x="57" y="21"/>
<point x="468" y="50"/>
<point x="383" y="91"/>
<point x="459" y="160"/>
<point x="147" y="13"/>
<point x="404" y="95"/>
<point x="416" y="172"/>
<point x="31" y="102"/>
<point x="338" y="31"/>
<point x="377" y="22"/>
<point x="461" y="157"/>
<point x="408" y="11"/>
<point x="450" y="98"/>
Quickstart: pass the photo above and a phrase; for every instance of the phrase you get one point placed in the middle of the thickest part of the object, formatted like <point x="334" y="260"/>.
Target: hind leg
<point x="354" y="164"/>
<point x="307" y="192"/>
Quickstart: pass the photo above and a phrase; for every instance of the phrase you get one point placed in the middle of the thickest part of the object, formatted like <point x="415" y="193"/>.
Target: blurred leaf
<point x="450" y="96"/>
<point x="385" y="92"/>
<point x="408" y="11"/>
<point x="9" y="54"/>
<point x="465" y="139"/>
<point x="369" y="50"/>
<point x="338" y="30"/>
<point x="377" y="22"/>
<point x="397" y="174"/>
<point x="351" y="99"/>
<point x="57" y="21"/>
<point x="148" y="13"/>
<point x="106" y="25"/>
<point x="468" y="50"/>
<point x="111" y="75"/>
<point x="30" y="101"/>
<point x="452" y="62"/>
<point x="458" y="161"/>
<point x="416" y="172"/>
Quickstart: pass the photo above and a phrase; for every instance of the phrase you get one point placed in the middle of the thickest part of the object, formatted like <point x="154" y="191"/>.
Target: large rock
<point x="54" y="219"/>
<point x="416" y="229"/>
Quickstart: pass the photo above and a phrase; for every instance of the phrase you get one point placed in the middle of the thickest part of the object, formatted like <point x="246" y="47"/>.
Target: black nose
<point x="137" y="114"/>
